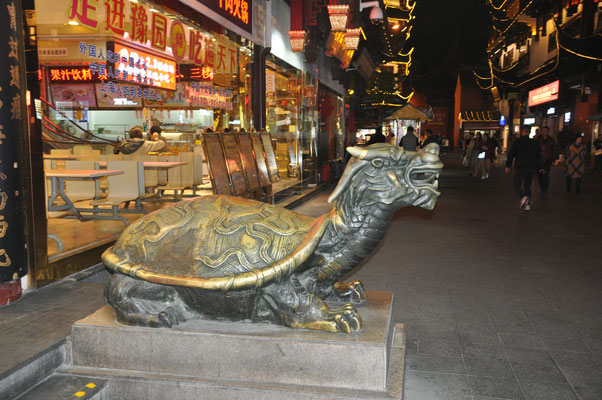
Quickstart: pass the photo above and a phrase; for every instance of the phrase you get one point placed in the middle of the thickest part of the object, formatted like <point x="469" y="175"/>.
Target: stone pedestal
<point x="214" y="359"/>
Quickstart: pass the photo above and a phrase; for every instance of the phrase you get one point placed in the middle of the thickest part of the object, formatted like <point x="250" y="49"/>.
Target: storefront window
<point x="291" y="121"/>
<point x="105" y="68"/>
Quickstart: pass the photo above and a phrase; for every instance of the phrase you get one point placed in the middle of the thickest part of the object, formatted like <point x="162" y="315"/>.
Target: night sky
<point x="447" y="35"/>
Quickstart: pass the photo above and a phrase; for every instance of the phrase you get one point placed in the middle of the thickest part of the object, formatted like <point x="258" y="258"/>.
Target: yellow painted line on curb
<point x="91" y="385"/>
<point x="80" y="394"/>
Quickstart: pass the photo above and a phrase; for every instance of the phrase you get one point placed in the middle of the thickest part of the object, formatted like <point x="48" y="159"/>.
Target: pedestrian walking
<point x="378" y="136"/>
<point x="485" y="156"/>
<point x="527" y="161"/>
<point x="474" y="154"/>
<point x="430" y="138"/>
<point x="575" y="164"/>
<point x="546" y="146"/>
<point x="409" y="141"/>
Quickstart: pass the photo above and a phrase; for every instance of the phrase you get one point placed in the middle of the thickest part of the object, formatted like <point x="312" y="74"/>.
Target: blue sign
<point x="502" y="121"/>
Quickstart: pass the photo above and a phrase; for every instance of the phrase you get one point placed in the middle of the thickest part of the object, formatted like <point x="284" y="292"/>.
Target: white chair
<point x="61" y="152"/>
<point x="179" y="178"/>
<point x="93" y="155"/>
<point x="82" y="149"/>
<point x="81" y="190"/>
<point x="123" y="188"/>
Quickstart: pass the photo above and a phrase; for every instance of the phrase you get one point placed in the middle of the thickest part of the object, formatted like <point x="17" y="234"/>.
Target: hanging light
<point x="338" y="16"/>
<point x="352" y="39"/>
<point x="297" y="39"/>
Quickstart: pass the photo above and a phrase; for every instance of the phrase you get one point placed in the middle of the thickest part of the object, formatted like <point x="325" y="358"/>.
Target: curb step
<point x="158" y="386"/>
<point x="59" y="387"/>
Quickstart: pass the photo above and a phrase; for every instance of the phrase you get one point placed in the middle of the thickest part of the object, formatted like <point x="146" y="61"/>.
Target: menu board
<point x="248" y="160"/>
<point x="76" y="95"/>
<point x="234" y="163"/>
<point x="266" y="139"/>
<point x="264" y="175"/>
<point x="217" y="164"/>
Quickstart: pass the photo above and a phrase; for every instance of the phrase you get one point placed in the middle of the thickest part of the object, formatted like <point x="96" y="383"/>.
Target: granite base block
<point x="263" y="361"/>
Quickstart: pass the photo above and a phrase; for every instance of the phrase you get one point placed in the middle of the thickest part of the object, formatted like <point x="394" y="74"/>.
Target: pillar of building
<point x="13" y="108"/>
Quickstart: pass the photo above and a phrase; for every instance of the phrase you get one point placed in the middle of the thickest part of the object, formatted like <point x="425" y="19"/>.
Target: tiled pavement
<point x="499" y="303"/>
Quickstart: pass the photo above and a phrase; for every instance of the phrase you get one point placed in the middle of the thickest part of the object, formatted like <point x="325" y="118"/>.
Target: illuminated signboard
<point x="138" y="66"/>
<point x="544" y="94"/>
<point x="239" y="12"/>
<point x="529" y="121"/>
<point x="73" y="74"/>
<point x="191" y="72"/>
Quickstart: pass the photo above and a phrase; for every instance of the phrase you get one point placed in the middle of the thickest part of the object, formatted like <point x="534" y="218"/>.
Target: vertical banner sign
<point x="13" y="264"/>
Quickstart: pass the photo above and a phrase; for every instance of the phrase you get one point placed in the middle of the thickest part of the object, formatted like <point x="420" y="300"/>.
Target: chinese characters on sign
<point x="130" y="65"/>
<point x="13" y="263"/>
<point x="203" y="95"/>
<point x="161" y="31"/>
<point x="154" y="70"/>
<point x="544" y="94"/>
<point x="73" y="74"/>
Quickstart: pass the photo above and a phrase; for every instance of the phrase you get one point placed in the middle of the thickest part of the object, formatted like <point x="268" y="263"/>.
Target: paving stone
<point x="483" y="352"/>
<point x="521" y="340"/>
<point x="438" y="346"/>
<point x="577" y="363"/>
<point x="547" y="391"/>
<point x="588" y="392"/>
<point x="538" y="372"/>
<point x="479" y="337"/>
<point x="488" y="368"/>
<point x="512" y="325"/>
<point x="495" y="387"/>
<point x="426" y="362"/>
<point x="528" y="356"/>
<point x="564" y="343"/>
<point x="594" y="345"/>
<point x="420" y="385"/>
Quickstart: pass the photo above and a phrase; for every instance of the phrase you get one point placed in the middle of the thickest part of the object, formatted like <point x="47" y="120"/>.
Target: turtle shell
<point x="216" y="243"/>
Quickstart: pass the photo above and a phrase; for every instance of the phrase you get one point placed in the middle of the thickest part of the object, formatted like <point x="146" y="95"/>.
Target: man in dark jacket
<point x="409" y="141"/>
<point x="546" y="146"/>
<point x="430" y="138"/>
<point x="526" y="155"/>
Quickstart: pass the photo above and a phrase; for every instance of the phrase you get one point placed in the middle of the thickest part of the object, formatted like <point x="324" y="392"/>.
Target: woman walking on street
<point x="575" y="164"/>
<point x="485" y="155"/>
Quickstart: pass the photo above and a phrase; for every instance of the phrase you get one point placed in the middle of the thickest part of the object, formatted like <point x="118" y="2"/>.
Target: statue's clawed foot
<point x="323" y="318"/>
<point x="352" y="292"/>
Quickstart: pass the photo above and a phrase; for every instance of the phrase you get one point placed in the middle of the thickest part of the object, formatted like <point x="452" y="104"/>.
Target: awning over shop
<point x="409" y="111"/>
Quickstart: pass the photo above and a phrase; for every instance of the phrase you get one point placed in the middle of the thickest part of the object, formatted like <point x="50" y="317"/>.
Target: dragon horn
<point x="352" y="167"/>
<point x="371" y="152"/>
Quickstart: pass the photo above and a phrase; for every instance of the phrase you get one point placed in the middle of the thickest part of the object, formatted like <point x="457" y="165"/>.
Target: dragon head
<point x="386" y="174"/>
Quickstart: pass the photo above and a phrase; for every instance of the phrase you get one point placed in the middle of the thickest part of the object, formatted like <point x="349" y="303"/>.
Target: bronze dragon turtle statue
<point x="229" y="258"/>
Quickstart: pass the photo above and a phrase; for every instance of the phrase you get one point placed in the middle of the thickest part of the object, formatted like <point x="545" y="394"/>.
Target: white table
<point x="59" y="157"/>
<point x="152" y="164"/>
<point x="58" y="178"/>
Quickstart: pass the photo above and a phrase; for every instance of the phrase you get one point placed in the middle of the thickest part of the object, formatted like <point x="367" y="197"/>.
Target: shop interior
<point x="88" y="104"/>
